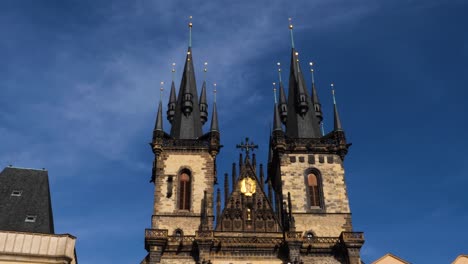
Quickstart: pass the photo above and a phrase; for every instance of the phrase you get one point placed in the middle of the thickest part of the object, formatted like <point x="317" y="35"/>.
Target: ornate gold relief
<point x="247" y="186"/>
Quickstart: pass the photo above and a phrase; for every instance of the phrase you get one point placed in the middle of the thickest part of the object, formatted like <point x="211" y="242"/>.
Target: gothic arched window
<point x="313" y="189"/>
<point x="184" y="190"/>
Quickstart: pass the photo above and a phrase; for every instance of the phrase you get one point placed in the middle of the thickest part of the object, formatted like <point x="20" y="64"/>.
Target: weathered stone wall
<point x="333" y="218"/>
<point x="201" y="166"/>
<point x="293" y="175"/>
<point x="322" y="225"/>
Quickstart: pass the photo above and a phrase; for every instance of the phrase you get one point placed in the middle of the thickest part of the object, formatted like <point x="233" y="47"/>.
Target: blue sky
<point x="79" y="85"/>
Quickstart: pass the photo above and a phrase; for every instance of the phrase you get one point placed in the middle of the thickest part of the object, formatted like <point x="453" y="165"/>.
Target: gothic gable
<point x="247" y="208"/>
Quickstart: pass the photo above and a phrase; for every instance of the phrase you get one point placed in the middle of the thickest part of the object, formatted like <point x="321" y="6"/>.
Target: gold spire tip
<point x="190" y="22"/>
<point x="290" y="23"/>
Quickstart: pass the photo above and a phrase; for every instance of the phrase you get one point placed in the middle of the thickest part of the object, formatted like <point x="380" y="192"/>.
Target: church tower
<point x="307" y="173"/>
<point x="184" y="170"/>
<point x="303" y="216"/>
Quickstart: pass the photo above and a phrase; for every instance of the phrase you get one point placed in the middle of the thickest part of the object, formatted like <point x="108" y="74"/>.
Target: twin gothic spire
<point x="186" y="112"/>
<point x="300" y="113"/>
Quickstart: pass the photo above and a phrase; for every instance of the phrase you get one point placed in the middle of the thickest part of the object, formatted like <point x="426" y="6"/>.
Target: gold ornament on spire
<point x="190" y="22"/>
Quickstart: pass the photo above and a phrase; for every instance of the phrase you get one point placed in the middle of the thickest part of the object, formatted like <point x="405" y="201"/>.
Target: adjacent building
<point x="26" y="220"/>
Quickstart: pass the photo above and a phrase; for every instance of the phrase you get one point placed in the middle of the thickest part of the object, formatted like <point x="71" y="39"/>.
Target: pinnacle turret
<point x="337" y="121"/>
<point x="172" y="104"/>
<point x="203" y="104"/>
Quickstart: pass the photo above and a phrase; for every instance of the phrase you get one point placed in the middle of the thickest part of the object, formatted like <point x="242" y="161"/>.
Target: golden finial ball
<point x="311" y="63"/>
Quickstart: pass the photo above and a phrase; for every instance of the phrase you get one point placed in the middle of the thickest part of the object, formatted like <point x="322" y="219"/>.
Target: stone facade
<point x="166" y="213"/>
<point x="333" y="217"/>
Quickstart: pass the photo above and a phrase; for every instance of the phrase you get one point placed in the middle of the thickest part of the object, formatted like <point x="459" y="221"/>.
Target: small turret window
<point x="184" y="190"/>
<point x="312" y="182"/>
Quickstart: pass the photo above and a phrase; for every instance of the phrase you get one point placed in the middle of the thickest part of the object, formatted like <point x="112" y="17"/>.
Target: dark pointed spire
<point x="159" y="122"/>
<point x="292" y="222"/>
<point x="203" y="102"/>
<point x="276" y="120"/>
<point x="254" y="161"/>
<point x="233" y="175"/>
<point x="283" y="104"/>
<point x="337" y="121"/>
<point x="187" y="123"/>
<point x="270" y="191"/>
<point x="226" y="188"/>
<point x="214" y="115"/>
<point x="172" y="98"/>
<point x="159" y="118"/>
<point x="315" y="98"/>
<point x="218" y="203"/>
<point x="241" y="163"/>
<point x="301" y="119"/>
<point x="262" y="177"/>
<point x="204" y="213"/>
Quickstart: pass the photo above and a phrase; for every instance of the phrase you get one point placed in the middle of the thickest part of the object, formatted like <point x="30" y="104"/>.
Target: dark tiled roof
<point x="33" y="201"/>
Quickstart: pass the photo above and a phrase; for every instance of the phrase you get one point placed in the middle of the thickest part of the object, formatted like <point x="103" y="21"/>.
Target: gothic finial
<point x="262" y="176"/>
<point x="311" y="64"/>
<point x="291" y="30"/>
<point x="279" y="71"/>
<point x="173" y="70"/>
<point x="214" y="92"/>
<point x="332" y="85"/>
<point x="190" y="31"/>
<point x="204" y="213"/>
<point x="161" y="90"/>
<point x="274" y="92"/>
<point x="205" y="65"/>
<point x="218" y="203"/>
<point x="233" y="175"/>
<point x="254" y="161"/>
<point x="270" y="192"/>
<point x="226" y="189"/>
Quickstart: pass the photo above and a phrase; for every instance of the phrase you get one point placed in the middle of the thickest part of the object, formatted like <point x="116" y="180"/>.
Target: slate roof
<point x="33" y="201"/>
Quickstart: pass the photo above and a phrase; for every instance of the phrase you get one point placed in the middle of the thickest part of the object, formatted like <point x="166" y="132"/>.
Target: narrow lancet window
<point x="184" y="190"/>
<point x="312" y="182"/>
